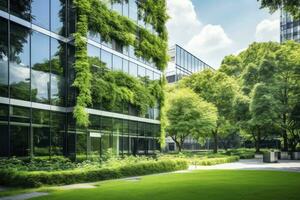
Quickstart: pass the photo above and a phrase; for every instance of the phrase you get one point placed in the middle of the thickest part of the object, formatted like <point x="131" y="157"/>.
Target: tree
<point x="218" y="89"/>
<point x="263" y="110"/>
<point x="188" y="115"/>
<point x="291" y="6"/>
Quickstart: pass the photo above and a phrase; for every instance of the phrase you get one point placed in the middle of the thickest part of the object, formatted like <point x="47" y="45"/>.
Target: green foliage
<point x="35" y="179"/>
<point x="242" y="153"/>
<point x="291" y="6"/>
<point x="188" y="114"/>
<point x="116" y="87"/>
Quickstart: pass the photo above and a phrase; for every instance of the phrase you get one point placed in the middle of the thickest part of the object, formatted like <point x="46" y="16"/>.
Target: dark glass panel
<point x="4" y="134"/>
<point x="81" y="145"/>
<point x="19" y="72"/>
<point x="71" y="136"/>
<point x="117" y="133"/>
<point x="58" y="16"/>
<point x="20" y="8"/>
<point x="94" y="137"/>
<point x="40" y="13"/>
<point x="71" y="91"/>
<point x="71" y="10"/>
<point x="41" y="132"/>
<point x="20" y="141"/>
<point x="40" y="76"/>
<point x="57" y="130"/>
<point x="3" y="58"/>
<point x="106" y="132"/>
<point x="3" y="5"/>
<point x="106" y="58"/>
<point x="58" y="72"/>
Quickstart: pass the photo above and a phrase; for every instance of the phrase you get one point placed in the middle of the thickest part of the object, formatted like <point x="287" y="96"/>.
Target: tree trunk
<point x="257" y="142"/>
<point x="285" y="141"/>
<point x="215" y="135"/>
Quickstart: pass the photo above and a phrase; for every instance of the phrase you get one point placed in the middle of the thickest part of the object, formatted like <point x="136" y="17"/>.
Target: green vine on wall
<point x="95" y="16"/>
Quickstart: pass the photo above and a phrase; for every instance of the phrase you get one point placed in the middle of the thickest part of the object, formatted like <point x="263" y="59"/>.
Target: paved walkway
<point x="25" y="196"/>
<point x="255" y="164"/>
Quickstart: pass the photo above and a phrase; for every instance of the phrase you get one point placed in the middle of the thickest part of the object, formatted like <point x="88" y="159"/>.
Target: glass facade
<point x="36" y="93"/>
<point x="183" y="63"/>
<point x="289" y="28"/>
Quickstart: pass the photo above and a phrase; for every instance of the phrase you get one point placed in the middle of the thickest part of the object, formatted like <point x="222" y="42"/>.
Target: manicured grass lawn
<point x="206" y="185"/>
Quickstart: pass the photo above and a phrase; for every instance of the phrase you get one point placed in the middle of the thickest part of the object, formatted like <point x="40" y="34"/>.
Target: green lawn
<point x="206" y="185"/>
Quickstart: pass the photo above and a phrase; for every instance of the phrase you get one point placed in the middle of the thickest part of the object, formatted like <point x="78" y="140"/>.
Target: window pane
<point x="41" y="132"/>
<point x="142" y="72"/>
<point x="58" y="71"/>
<point x="81" y="145"/>
<point x="126" y="66"/>
<point x="106" y="58"/>
<point x="19" y="63"/>
<point x="40" y="76"/>
<point x="58" y="17"/>
<point x="117" y="7"/>
<point x="20" y="144"/>
<point x="3" y="58"/>
<point x="4" y="134"/>
<point x="20" y="8"/>
<point x="117" y="63"/>
<point x="58" y="127"/>
<point x="40" y="13"/>
<point x="133" y="69"/>
<point x="3" y="5"/>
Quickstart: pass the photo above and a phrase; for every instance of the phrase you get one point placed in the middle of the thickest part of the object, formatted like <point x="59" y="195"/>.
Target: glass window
<point x="141" y="72"/>
<point x="117" y="7"/>
<point x="20" y="8"/>
<point x="3" y="58"/>
<point x="40" y="13"/>
<point x="133" y="10"/>
<point x="126" y="66"/>
<point x="4" y="134"/>
<point x="117" y="46"/>
<point x="106" y="58"/>
<point x="131" y="52"/>
<point x="94" y="36"/>
<point x="58" y="127"/>
<point x="81" y="145"/>
<point x="19" y="71"/>
<point x="149" y="74"/>
<point x="20" y="143"/>
<point x="58" y="17"/>
<point x="156" y="76"/>
<point x="117" y="132"/>
<point x="133" y="69"/>
<point x="106" y="130"/>
<point x="58" y="71"/>
<point x="117" y="63"/>
<point x="3" y="5"/>
<point x="125" y="9"/>
<point x="40" y="76"/>
<point x="41" y="132"/>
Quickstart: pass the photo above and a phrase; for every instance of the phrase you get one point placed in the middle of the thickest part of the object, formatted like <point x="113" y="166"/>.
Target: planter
<point x="284" y="155"/>
<point x="296" y="155"/>
<point x="270" y="157"/>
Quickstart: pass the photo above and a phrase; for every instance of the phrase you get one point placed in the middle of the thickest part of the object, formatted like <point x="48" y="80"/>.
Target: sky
<point x="212" y="29"/>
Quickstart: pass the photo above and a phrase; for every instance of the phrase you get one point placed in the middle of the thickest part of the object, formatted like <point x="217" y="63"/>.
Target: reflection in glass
<point x="3" y="5"/>
<point x="106" y="58"/>
<point x="20" y="8"/>
<point x="58" y="127"/>
<point x="40" y="13"/>
<point x="19" y="71"/>
<point x="41" y="132"/>
<point x="40" y="76"/>
<point x="117" y="63"/>
<point x="81" y="145"/>
<point x="19" y="131"/>
<point x="3" y="58"/>
<point x="4" y="134"/>
<point x="133" y="69"/>
<point x="58" y="17"/>
<point x="58" y="60"/>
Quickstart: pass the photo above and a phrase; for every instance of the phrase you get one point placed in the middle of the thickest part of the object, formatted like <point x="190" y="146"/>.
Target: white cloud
<point x="183" y="22"/>
<point x="209" y="42"/>
<point x="268" y="30"/>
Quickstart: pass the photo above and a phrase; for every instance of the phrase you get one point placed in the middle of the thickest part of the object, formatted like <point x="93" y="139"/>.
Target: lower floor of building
<point x="32" y="132"/>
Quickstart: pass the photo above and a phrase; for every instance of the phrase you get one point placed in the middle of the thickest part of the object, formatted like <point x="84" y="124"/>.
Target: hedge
<point x="214" y="161"/>
<point x="38" y="178"/>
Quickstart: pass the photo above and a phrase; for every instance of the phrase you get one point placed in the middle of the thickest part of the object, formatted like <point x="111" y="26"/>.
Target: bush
<point x="13" y="177"/>
<point x="214" y="161"/>
<point x="242" y="153"/>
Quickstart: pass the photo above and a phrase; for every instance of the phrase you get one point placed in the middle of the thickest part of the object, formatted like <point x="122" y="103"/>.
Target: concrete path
<point x="255" y="164"/>
<point x="25" y="196"/>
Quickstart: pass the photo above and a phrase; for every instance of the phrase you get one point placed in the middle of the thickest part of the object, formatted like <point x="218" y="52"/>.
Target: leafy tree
<point x="231" y="65"/>
<point x="291" y="6"/>
<point x="188" y="115"/>
<point x="220" y="90"/>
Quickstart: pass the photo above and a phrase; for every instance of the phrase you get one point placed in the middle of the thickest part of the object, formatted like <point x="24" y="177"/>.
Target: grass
<point x="206" y="185"/>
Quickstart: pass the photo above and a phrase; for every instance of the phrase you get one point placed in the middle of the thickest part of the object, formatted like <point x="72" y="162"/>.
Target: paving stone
<point x="25" y="196"/>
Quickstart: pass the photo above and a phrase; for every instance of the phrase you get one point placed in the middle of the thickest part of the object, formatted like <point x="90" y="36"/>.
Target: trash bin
<point x="284" y="155"/>
<point x="296" y="155"/>
<point x="270" y="157"/>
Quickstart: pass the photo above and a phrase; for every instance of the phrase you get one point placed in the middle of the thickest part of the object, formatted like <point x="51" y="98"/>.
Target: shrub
<point x="11" y="177"/>
<point x="214" y="161"/>
<point x="242" y="153"/>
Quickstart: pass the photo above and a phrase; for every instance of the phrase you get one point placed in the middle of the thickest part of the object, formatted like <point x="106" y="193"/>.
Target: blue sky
<point x="211" y="29"/>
